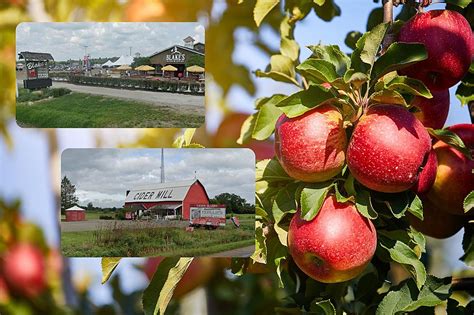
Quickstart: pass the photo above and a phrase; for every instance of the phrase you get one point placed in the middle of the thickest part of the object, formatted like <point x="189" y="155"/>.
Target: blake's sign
<point x="149" y="195"/>
<point x="175" y="56"/>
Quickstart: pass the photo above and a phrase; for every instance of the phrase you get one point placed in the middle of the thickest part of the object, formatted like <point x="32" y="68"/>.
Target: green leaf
<point x="271" y="171"/>
<point x="283" y="204"/>
<point x="375" y="18"/>
<point x="288" y="45"/>
<point x="319" y="2"/>
<point x="465" y="90"/>
<point x="468" y="203"/>
<point x="282" y="69"/>
<point x="460" y="3"/>
<point x="260" y="253"/>
<point x="367" y="47"/>
<point x="407" y="298"/>
<point x="416" y="206"/>
<point x="349" y="185"/>
<point x="327" y="11"/>
<point x="157" y="295"/>
<point x="403" y="254"/>
<point x="352" y="38"/>
<point x="333" y="54"/>
<point x="267" y="116"/>
<point x="262" y="8"/>
<point x="396" y="203"/>
<point x="355" y="78"/>
<point x="317" y="70"/>
<point x="364" y="204"/>
<point x="312" y="199"/>
<point x="398" y="56"/>
<point x="406" y="85"/>
<point x="341" y="198"/>
<point x="108" y="266"/>
<point x="246" y="129"/>
<point x="322" y="307"/>
<point x="300" y="102"/>
<point x="387" y="97"/>
<point x="451" y="139"/>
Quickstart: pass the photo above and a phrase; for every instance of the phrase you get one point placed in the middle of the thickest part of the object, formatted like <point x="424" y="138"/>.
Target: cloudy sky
<point x="102" y="176"/>
<point x="67" y="40"/>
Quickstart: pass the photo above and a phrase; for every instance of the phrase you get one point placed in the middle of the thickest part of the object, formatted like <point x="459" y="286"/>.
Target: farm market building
<point x="177" y="55"/>
<point x="171" y="198"/>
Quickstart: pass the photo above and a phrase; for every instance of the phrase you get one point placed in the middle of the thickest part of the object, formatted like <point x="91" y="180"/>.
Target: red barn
<point x="75" y="213"/>
<point x="167" y="199"/>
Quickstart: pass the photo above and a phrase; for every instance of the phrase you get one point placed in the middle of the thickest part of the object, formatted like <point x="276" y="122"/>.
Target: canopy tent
<point x="108" y="64"/>
<point x="124" y="60"/>
<point x="195" y="69"/>
<point x="169" y="68"/>
<point x="144" y="68"/>
<point x="124" y="67"/>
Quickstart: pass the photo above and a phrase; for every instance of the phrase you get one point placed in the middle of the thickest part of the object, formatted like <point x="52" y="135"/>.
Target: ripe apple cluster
<point x="389" y="150"/>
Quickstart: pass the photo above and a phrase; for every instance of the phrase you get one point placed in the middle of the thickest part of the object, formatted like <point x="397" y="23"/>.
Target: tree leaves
<point x="398" y="56"/>
<point x="403" y="254"/>
<point x="312" y="199"/>
<point x="317" y="70"/>
<point x="367" y="48"/>
<point x="333" y="54"/>
<point x="108" y="266"/>
<point x="262" y="8"/>
<point x="404" y="84"/>
<point x="364" y="204"/>
<point x="468" y="203"/>
<point x="407" y="298"/>
<point x="281" y="69"/>
<point x="300" y="102"/>
<point x="322" y="307"/>
<point x="158" y="294"/>
<point x="451" y="139"/>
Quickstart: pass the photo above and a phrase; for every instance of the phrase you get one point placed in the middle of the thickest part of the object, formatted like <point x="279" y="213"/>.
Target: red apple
<point x="199" y="273"/>
<point x="436" y="223"/>
<point x="24" y="270"/>
<point x="455" y="177"/>
<point x="449" y="42"/>
<point x="336" y="245"/>
<point x="433" y="112"/>
<point x="388" y="149"/>
<point x="311" y="147"/>
<point x="427" y="175"/>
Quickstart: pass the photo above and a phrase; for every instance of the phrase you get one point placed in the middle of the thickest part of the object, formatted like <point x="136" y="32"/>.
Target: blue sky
<point x="25" y="173"/>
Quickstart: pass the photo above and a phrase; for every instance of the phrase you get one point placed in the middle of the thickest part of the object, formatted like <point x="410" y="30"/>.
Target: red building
<point x="167" y="199"/>
<point x="75" y="213"/>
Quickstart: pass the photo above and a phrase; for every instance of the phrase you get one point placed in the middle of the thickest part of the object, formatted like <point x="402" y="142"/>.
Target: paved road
<point x="157" y="98"/>
<point x="239" y="252"/>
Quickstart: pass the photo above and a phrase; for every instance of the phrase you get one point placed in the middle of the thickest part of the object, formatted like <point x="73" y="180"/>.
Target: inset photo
<point x="110" y="75"/>
<point x="157" y="202"/>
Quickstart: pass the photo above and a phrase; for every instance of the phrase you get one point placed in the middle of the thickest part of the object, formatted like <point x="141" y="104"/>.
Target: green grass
<point x="164" y="241"/>
<point x="25" y="95"/>
<point x="79" y="110"/>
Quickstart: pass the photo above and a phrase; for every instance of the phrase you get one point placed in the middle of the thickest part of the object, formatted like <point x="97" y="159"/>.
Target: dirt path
<point x="239" y="252"/>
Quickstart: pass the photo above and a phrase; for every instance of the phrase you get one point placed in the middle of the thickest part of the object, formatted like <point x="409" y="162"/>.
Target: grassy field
<point x="94" y="215"/>
<point x="78" y="110"/>
<point x="113" y="241"/>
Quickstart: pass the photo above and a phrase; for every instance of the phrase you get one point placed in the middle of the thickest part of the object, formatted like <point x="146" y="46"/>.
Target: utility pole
<point x="130" y="51"/>
<point x="162" y="165"/>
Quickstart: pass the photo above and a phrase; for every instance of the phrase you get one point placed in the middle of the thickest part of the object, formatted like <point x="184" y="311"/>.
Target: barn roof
<point x="75" y="208"/>
<point x="28" y="55"/>
<point x="180" y="47"/>
<point x="170" y="191"/>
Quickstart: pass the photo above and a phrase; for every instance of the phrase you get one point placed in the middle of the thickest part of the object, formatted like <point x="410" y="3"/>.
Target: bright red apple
<point x="311" y="147"/>
<point x="427" y="175"/>
<point x="434" y="111"/>
<point x="24" y="270"/>
<point x="199" y="273"/>
<point x="388" y="149"/>
<point x="449" y="42"/>
<point x="436" y="223"/>
<point x="455" y="177"/>
<point x="336" y="245"/>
